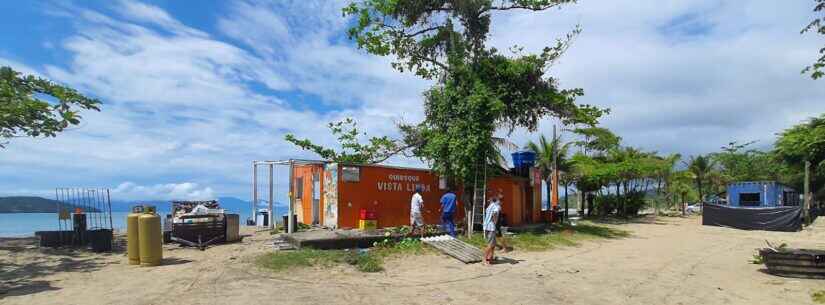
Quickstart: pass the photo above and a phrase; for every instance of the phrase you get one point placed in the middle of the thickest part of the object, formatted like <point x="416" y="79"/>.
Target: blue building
<point x="761" y="194"/>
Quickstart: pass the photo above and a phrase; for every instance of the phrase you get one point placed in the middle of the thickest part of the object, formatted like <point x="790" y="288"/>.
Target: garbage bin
<point x="294" y="221"/>
<point x="101" y="240"/>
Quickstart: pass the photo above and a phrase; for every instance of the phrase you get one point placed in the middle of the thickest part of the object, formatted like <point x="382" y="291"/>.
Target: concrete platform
<point x="335" y="239"/>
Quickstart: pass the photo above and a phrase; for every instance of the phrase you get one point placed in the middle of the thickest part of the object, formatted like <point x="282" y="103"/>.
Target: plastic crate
<point x="367" y="224"/>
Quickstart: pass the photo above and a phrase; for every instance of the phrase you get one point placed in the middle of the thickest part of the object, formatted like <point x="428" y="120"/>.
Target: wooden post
<point x="807" y="205"/>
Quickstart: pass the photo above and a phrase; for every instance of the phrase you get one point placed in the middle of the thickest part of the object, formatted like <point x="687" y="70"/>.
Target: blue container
<point x="523" y="159"/>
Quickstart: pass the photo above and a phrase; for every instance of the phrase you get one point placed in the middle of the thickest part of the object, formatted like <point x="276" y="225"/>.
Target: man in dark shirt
<point x="447" y="212"/>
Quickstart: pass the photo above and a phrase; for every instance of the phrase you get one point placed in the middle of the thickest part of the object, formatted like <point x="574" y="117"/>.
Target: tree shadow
<point x="174" y="261"/>
<point x="614" y="220"/>
<point x="592" y="230"/>
<point x="23" y="268"/>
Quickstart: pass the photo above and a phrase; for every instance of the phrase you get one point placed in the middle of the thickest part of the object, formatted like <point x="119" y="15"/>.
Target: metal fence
<point x="94" y="202"/>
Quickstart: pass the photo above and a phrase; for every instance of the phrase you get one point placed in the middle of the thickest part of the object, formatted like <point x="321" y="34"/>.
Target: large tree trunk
<point x="618" y="199"/>
<point x="590" y="204"/>
<point x="468" y="209"/>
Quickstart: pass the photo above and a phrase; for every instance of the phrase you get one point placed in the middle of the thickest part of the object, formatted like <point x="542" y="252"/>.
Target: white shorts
<point x="416" y="220"/>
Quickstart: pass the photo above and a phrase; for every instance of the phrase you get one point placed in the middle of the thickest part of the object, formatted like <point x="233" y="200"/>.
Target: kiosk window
<point x="750" y="199"/>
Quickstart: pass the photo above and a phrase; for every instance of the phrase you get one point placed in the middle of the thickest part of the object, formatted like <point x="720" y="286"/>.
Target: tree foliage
<point x="479" y="89"/>
<point x="352" y="151"/>
<point x="27" y="109"/>
<point x="817" y="69"/>
<point x="701" y="167"/>
<point x="597" y="139"/>
<point x="800" y="143"/>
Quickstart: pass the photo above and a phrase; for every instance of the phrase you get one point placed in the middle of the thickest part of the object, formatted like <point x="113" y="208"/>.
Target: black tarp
<point x="786" y="218"/>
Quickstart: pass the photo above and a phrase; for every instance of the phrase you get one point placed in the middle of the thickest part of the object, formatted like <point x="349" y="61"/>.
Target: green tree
<point x="665" y="172"/>
<point x="817" y="26"/>
<point x="800" y="143"/>
<point x="548" y="153"/>
<point x="479" y="89"/>
<point x="701" y="167"/>
<point x="352" y="151"/>
<point x="681" y="188"/>
<point x="589" y="169"/>
<point x="597" y="139"/>
<point x="33" y="107"/>
<point x="737" y="162"/>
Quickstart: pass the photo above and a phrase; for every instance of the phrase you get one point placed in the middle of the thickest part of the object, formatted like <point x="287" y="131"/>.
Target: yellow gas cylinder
<point x="132" y="235"/>
<point x="151" y="238"/>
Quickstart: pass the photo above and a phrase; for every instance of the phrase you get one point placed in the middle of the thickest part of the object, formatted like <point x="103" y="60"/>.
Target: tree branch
<point x="410" y="35"/>
<point x="523" y="7"/>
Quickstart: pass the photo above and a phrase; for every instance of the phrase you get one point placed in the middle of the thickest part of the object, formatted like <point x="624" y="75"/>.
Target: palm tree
<point x="546" y="151"/>
<point x="701" y="167"/>
<point x="665" y="176"/>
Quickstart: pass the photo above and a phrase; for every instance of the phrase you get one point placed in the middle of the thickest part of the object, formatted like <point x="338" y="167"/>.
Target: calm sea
<point x="25" y="224"/>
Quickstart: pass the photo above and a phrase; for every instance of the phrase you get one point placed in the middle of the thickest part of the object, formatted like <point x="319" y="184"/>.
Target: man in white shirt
<point x="490" y="220"/>
<point x="416" y="205"/>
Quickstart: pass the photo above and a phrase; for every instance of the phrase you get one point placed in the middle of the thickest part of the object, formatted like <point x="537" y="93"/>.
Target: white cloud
<point x="182" y="104"/>
<point x="152" y="14"/>
<point x="169" y="191"/>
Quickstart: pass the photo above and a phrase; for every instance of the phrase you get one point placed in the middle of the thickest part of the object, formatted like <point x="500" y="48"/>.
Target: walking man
<point x="447" y="212"/>
<point x="490" y="221"/>
<point x="416" y="205"/>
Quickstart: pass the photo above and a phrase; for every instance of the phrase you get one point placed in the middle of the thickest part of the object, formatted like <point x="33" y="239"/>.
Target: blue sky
<point x="193" y="93"/>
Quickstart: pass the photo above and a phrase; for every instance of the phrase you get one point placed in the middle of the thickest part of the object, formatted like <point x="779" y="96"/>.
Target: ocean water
<point x="25" y="224"/>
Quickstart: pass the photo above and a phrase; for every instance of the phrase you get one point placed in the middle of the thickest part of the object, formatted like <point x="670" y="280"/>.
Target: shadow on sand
<point x="22" y="268"/>
<point x="644" y="219"/>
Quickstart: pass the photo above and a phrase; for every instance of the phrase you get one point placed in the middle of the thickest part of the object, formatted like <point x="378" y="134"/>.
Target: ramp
<point x="460" y="250"/>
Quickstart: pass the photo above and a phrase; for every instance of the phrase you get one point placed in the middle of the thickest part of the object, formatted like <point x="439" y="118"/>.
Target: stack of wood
<point x="460" y="250"/>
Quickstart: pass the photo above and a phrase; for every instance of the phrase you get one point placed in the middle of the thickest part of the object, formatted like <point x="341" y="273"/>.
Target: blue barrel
<point x="528" y="158"/>
<point x="523" y="159"/>
<point x="516" y="159"/>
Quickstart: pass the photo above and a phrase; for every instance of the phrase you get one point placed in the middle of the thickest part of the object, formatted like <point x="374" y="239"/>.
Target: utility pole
<point x="555" y="181"/>
<point x="255" y="192"/>
<point x="271" y="197"/>
<point x="807" y="206"/>
<point x="290" y="222"/>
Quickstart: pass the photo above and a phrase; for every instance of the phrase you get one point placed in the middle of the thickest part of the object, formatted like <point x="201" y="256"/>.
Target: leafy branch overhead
<point x="817" y="69"/>
<point x="26" y="109"/>
<point x="352" y="151"/>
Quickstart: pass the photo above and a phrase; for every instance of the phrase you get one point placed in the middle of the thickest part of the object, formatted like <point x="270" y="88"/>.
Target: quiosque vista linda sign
<point x="402" y="183"/>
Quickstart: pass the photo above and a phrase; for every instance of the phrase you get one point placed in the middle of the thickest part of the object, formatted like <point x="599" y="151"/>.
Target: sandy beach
<point x="667" y="261"/>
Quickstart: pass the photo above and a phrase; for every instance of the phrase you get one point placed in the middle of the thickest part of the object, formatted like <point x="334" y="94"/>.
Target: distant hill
<point x="231" y="204"/>
<point x="31" y="204"/>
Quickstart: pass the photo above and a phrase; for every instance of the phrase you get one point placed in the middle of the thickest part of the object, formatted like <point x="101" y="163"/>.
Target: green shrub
<point x="366" y="261"/>
<point x="284" y="260"/>
<point x="604" y="205"/>
<point x="818" y="297"/>
<point x="635" y="202"/>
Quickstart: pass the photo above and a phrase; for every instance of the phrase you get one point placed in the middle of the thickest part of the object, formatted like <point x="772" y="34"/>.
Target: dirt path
<point x="672" y="261"/>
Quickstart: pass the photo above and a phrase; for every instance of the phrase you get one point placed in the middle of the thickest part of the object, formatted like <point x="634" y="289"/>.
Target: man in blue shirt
<point x="447" y="212"/>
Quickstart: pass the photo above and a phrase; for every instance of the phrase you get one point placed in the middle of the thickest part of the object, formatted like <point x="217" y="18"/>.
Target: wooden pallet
<point x="460" y="250"/>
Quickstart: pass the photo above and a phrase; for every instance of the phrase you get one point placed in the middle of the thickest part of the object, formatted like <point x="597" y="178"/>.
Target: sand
<point x="669" y="261"/>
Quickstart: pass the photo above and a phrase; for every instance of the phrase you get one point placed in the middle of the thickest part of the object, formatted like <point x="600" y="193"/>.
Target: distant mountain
<point x="231" y="204"/>
<point x="31" y="204"/>
<point x="126" y="206"/>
